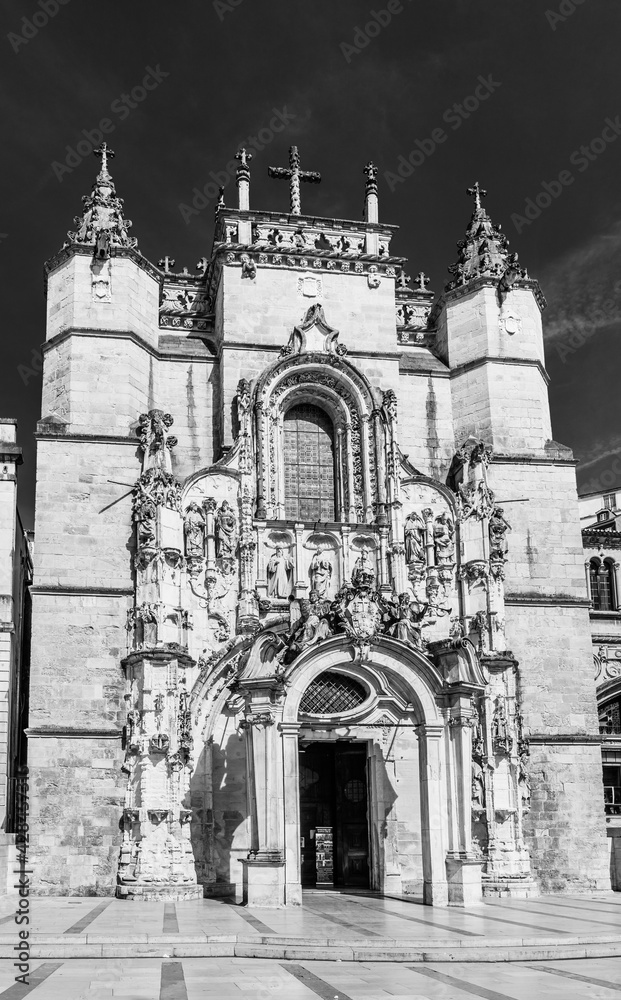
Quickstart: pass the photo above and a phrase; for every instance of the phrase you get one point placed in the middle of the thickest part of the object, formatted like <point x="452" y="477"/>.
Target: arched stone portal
<point x="405" y="692"/>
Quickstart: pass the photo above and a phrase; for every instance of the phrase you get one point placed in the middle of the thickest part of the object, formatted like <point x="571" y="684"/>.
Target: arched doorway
<point x="340" y="766"/>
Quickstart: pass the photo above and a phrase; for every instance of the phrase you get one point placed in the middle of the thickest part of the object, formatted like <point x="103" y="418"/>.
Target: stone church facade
<point x="309" y="605"/>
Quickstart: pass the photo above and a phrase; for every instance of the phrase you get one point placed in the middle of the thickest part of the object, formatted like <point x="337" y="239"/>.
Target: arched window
<point x="602" y="584"/>
<point x="308" y="452"/>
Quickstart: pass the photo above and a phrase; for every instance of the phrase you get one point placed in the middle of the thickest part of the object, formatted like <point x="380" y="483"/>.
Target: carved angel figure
<point x="414" y="538"/>
<point x="279" y="574"/>
<point x="443" y="539"/>
<point x="226" y="532"/>
<point x="194" y="530"/>
<point x="320" y="571"/>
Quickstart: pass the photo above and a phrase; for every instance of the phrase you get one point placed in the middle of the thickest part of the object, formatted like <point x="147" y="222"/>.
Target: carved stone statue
<point x="363" y="574"/>
<point x="405" y="621"/>
<point x="308" y="630"/>
<point x="414" y="538"/>
<point x="194" y="531"/>
<point x="155" y="440"/>
<point x="498" y="528"/>
<point x="226" y="532"/>
<point x="444" y="539"/>
<point x="279" y="574"/>
<point x="478" y="787"/>
<point x="320" y="571"/>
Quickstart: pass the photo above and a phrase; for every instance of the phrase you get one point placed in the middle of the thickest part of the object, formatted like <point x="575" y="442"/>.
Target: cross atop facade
<point x="403" y="280"/>
<point x="422" y="281"/>
<point x="294" y="175"/>
<point x="477" y="193"/>
<point x="104" y="152"/>
<point x="244" y="158"/>
<point x="167" y="263"/>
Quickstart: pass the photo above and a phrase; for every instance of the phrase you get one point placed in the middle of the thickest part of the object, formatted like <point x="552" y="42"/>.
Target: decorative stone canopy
<point x="102" y="224"/>
<point x="484" y="252"/>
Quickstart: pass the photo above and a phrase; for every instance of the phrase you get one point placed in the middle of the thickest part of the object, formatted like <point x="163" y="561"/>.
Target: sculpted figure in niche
<point x="279" y="574"/>
<point x="478" y="787"/>
<point x="414" y="537"/>
<point x="194" y="531"/>
<point x="443" y="539"/>
<point x="498" y="528"/>
<point x="320" y="571"/>
<point x="226" y="532"/>
<point x="363" y="573"/>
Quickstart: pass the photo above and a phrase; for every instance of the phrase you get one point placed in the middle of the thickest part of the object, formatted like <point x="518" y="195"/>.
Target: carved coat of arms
<point x="362" y="616"/>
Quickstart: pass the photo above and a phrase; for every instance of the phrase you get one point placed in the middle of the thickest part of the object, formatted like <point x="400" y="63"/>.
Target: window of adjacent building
<point x="308" y="448"/>
<point x="612" y="790"/>
<point x="603" y="515"/>
<point x="610" y="501"/>
<point x="602" y="586"/>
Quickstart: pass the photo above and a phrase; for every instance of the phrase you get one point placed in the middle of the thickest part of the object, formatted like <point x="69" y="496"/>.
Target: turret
<point x="490" y="334"/>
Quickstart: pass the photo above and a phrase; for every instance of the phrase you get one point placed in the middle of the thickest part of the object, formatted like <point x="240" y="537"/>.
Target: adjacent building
<point x="601" y="534"/>
<point x="310" y="603"/>
<point x="15" y="579"/>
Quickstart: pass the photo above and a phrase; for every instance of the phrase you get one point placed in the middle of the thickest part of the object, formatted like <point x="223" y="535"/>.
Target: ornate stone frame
<point x="344" y="394"/>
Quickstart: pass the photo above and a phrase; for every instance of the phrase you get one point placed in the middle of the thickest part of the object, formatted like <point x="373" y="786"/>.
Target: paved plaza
<point x="90" y="948"/>
<point x="255" y="979"/>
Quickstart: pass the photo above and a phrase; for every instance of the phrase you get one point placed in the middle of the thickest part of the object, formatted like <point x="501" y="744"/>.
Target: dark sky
<point x="554" y="80"/>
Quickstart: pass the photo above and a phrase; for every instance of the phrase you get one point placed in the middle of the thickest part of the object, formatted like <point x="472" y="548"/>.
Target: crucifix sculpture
<point x="477" y="193"/>
<point x="294" y="175"/>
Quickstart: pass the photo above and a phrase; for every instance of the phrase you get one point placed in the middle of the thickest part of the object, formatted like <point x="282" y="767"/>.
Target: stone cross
<point x="422" y="281"/>
<point x="104" y="152"/>
<point x="294" y="175"/>
<point x="477" y="193"/>
<point x="167" y="263"/>
<point x="403" y="280"/>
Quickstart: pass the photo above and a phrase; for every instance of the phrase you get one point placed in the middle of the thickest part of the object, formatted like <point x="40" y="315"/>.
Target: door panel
<point x="333" y="793"/>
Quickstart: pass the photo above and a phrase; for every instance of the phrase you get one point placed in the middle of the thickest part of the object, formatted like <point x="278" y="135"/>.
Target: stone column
<point x="291" y="798"/>
<point x="433" y="814"/>
<point x="264" y="868"/>
<point x="300" y="587"/>
<point x="463" y="867"/>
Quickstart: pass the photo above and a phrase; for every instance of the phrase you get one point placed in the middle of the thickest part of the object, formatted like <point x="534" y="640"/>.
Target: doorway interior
<point x="334" y="824"/>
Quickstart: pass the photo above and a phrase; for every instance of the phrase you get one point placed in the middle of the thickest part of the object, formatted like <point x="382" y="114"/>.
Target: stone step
<point x="328" y="949"/>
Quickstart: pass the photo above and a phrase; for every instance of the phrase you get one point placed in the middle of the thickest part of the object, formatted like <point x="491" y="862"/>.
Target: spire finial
<point x="104" y="152"/>
<point x="371" y="171"/>
<point x="102" y="215"/>
<point x="484" y="253"/>
<point x="477" y="193"/>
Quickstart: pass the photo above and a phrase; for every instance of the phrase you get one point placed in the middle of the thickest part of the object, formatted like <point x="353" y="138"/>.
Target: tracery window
<point x="602" y="584"/>
<point x="308" y="453"/>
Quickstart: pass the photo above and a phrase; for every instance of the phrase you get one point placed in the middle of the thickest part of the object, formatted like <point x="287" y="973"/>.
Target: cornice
<point x="546" y="601"/>
<point x="156" y="352"/>
<point x="56" y="591"/>
<point x="85" y="250"/>
<point x="74" y="733"/>
<point x="577" y="739"/>
<point x="497" y="360"/>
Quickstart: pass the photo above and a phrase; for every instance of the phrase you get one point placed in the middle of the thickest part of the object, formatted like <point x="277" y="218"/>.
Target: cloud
<point x="584" y="289"/>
